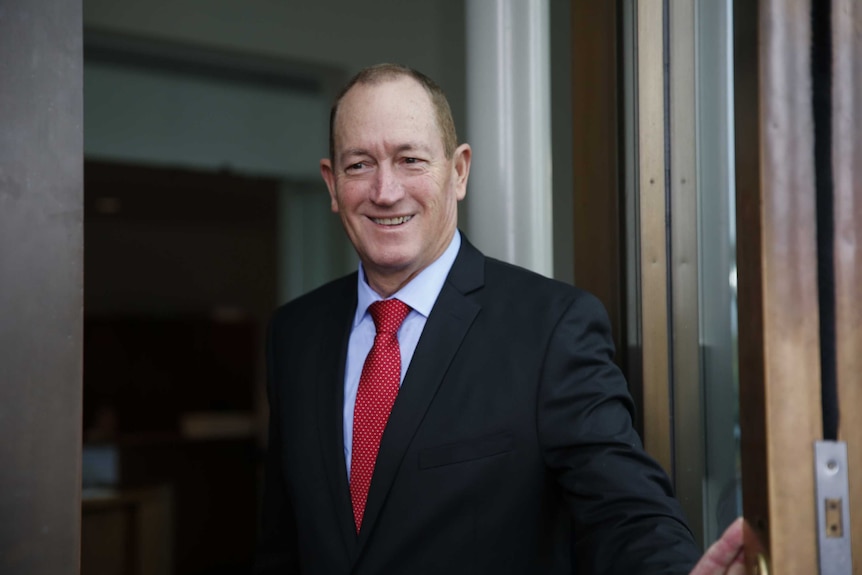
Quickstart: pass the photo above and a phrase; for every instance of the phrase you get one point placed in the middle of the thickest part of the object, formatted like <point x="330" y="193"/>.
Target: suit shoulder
<point x="520" y="292"/>
<point x="526" y="284"/>
<point x="321" y="300"/>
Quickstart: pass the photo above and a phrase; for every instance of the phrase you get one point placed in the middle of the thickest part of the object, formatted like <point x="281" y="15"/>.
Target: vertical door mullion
<point x="847" y="159"/>
<point x="653" y="239"/>
<point x="688" y="432"/>
<point x="779" y="363"/>
<point x="596" y="189"/>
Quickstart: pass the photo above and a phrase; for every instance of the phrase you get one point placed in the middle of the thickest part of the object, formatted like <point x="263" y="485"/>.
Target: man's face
<point x="391" y="182"/>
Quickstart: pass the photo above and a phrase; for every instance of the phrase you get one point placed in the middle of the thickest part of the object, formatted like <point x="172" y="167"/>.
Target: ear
<point x="329" y="177"/>
<point x="461" y="169"/>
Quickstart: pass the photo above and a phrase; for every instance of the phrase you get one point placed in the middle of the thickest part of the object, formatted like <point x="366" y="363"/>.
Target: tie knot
<point x="388" y="314"/>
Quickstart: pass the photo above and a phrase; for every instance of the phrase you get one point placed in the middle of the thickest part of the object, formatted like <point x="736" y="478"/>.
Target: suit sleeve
<point x="625" y="517"/>
<point x="277" y="549"/>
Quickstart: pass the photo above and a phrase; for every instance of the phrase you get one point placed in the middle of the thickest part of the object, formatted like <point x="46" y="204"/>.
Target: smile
<point x="392" y="221"/>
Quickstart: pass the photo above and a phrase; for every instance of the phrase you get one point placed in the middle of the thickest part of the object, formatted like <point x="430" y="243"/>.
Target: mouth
<point x="392" y="221"/>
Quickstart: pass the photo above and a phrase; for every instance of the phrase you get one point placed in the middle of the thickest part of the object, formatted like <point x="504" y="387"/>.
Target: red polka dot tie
<point x="378" y="388"/>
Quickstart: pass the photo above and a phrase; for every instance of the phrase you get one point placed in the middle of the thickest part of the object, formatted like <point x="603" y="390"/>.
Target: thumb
<point x="725" y="556"/>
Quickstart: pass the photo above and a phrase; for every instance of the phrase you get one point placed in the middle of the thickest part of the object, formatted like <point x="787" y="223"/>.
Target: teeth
<point x="392" y="221"/>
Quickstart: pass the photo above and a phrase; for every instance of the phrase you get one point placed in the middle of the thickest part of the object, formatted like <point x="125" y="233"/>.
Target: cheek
<point x="348" y="200"/>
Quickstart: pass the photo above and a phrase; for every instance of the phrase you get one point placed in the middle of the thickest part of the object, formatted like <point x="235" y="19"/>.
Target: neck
<point x="386" y="285"/>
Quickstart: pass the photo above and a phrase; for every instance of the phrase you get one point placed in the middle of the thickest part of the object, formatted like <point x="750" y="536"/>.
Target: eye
<point x="356" y="166"/>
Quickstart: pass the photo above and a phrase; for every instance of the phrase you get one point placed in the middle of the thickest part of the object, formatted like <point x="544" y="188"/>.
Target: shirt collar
<point x="421" y="292"/>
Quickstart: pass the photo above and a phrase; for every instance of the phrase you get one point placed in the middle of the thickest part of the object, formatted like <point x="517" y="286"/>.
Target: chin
<point x="390" y="262"/>
<point x="392" y="265"/>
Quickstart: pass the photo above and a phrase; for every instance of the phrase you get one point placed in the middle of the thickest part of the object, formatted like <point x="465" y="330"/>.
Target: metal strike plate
<point x="833" y="508"/>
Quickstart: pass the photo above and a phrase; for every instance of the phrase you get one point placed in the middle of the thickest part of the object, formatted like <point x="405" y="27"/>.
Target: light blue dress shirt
<point x="420" y="294"/>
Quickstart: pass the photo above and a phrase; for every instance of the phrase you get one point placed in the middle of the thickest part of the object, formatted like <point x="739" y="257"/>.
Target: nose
<point x="387" y="187"/>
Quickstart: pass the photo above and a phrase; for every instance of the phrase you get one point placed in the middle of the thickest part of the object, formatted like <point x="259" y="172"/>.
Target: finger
<point x="723" y="554"/>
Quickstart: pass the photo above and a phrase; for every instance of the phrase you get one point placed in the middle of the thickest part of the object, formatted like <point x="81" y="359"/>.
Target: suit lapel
<point x="448" y="323"/>
<point x="330" y="415"/>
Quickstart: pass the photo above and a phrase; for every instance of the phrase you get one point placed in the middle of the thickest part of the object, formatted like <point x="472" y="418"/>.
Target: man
<point x="473" y="422"/>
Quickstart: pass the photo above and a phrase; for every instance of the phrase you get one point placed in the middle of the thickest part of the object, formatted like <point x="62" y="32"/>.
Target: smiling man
<point x="394" y="178"/>
<point x="444" y="412"/>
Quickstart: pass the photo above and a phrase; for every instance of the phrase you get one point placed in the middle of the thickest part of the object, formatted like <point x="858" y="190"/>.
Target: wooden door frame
<point x="780" y="357"/>
<point x="779" y="349"/>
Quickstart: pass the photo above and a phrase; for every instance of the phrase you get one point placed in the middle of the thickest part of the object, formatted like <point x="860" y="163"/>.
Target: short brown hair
<point x="380" y="73"/>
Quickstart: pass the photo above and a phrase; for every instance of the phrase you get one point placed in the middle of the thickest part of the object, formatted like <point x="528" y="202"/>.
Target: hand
<point x="725" y="557"/>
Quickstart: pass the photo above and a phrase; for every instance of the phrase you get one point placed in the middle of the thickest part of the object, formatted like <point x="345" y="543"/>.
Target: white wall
<point x="427" y="35"/>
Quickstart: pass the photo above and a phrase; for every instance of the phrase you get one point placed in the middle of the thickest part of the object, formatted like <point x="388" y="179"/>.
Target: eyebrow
<point x="353" y="152"/>
<point x="410" y="147"/>
<point x="405" y="147"/>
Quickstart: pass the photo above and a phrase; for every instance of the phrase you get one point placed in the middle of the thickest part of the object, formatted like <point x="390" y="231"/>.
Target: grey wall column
<point x="41" y="283"/>
<point x="509" y="127"/>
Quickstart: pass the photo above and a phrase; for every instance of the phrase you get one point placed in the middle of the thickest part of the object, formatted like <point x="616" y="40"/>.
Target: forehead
<point x="392" y="110"/>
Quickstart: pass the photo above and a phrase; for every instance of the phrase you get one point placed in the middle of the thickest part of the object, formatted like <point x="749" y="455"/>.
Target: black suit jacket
<point x="509" y="450"/>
